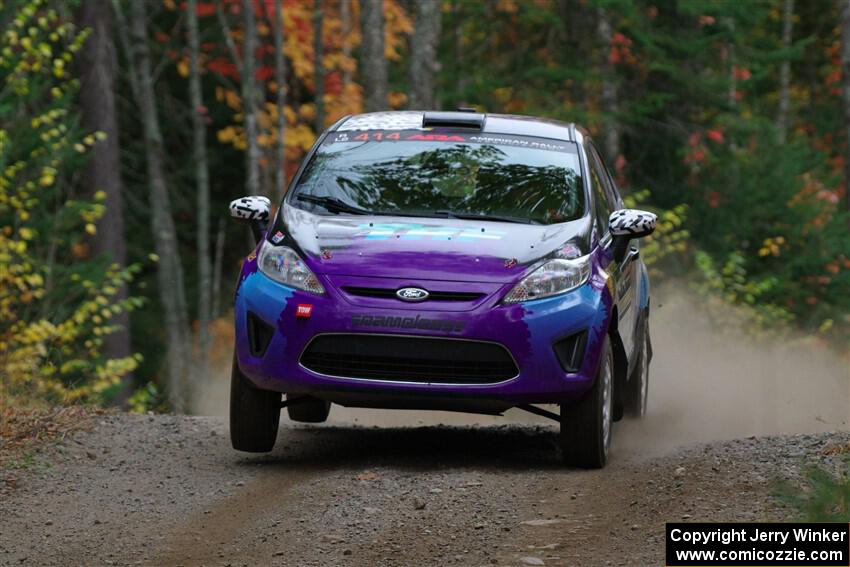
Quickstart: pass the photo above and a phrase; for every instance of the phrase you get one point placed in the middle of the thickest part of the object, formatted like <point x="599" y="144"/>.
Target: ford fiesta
<point x="445" y="260"/>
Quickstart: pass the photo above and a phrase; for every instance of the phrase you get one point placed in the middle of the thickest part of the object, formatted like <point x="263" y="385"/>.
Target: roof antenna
<point x="466" y="109"/>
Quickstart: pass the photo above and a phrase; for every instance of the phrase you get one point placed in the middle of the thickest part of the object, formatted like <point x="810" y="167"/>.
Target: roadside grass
<point x="823" y="495"/>
<point x="27" y="428"/>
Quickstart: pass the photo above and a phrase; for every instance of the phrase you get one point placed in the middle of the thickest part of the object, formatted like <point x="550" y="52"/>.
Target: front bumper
<point x="528" y="332"/>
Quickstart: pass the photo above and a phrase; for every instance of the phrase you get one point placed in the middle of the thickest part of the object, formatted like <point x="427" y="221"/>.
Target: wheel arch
<point x="621" y="364"/>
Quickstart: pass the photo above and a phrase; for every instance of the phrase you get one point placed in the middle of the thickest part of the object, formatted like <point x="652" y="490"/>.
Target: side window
<point x="601" y="205"/>
<point x="611" y="194"/>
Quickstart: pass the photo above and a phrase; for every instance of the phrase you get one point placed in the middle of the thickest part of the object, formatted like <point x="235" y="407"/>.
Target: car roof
<point x="489" y="123"/>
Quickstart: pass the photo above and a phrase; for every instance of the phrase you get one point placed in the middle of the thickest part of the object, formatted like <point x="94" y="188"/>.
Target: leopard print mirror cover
<point x="251" y="208"/>
<point x="631" y="222"/>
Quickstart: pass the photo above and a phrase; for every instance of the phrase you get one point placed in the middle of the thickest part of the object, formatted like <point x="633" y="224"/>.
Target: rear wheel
<point x="308" y="409"/>
<point x="637" y="388"/>
<point x="254" y="414"/>
<point x="586" y="425"/>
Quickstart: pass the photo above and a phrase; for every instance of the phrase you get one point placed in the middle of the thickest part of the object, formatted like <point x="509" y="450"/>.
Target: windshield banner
<point x="452" y="137"/>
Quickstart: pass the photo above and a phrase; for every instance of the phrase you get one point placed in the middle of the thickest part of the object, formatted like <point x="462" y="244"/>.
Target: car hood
<point x="425" y="248"/>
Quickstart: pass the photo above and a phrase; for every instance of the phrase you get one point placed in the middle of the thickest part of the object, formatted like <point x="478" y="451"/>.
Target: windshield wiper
<point x="333" y="204"/>
<point x="473" y="216"/>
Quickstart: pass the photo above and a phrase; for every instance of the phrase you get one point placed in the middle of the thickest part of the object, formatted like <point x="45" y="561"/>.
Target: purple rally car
<point x="445" y="260"/>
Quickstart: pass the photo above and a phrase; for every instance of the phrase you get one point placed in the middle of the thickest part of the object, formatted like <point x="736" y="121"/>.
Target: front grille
<point x="409" y="359"/>
<point x="389" y="293"/>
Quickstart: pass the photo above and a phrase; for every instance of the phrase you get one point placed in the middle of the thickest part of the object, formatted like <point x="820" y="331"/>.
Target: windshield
<point x="513" y="178"/>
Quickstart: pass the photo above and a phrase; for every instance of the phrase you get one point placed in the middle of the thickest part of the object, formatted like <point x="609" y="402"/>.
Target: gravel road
<point x="168" y="490"/>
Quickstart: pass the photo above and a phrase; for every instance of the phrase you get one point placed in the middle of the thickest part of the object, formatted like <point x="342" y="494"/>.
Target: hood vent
<point x="470" y="120"/>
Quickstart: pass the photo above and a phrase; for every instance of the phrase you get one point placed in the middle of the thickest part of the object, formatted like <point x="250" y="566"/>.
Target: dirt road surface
<point x="727" y="420"/>
<point x="166" y="490"/>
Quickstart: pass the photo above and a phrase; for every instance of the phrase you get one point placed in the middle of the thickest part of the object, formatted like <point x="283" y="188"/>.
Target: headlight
<point x="284" y="265"/>
<point x="552" y="278"/>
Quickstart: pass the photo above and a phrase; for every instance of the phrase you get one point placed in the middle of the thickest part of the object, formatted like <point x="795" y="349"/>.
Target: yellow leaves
<point x="183" y="67"/>
<point x="26" y="233"/>
<point x="397" y="99"/>
<point x="300" y="136"/>
<point x="91" y="229"/>
<point x="507" y="6"/>
<point x="226" y="135"/>
<point x="504" y="94"/>
<point x="229" y="97"/>
<point x="307" y="112"/>
<point x="771" y="246"/>
<point x="397" y="27"/>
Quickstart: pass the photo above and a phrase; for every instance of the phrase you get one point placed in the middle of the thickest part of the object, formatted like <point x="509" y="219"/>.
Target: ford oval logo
<point x="412" y="294"/>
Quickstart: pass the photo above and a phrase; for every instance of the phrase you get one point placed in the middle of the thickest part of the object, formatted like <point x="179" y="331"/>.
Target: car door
<point x="625" y="273"/>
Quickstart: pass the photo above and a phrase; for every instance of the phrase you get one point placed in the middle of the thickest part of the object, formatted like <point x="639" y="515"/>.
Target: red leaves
<point x="205" y="9"/>
<point x="333" y="83"/>
<point x="715" y="136"/>
<point x="264" y="73"/>
<point x="202" y="9"/>
<point x="741" y="73"/>
<point x="714" y="199"/>
<point x="223" y="67"/>
<point x="620" y="168"/>
<point x="621" y="50"/>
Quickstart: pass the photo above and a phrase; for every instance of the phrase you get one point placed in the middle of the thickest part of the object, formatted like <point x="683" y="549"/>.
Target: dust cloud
<point x="709" y="382"/>
<point x="706" y="383"/>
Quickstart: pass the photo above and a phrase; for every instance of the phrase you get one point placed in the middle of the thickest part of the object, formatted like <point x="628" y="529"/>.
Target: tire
<point x="586" y="426"/>
<point x="637" y="387"/>
<point x="254" y="414"/>
<point x="308" y="409"/>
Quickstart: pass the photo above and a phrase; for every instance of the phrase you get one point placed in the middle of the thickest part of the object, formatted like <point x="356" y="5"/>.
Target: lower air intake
<point x="409" y="359"/>
<point x="570" y="351"/>
<point x="259" y="335"/>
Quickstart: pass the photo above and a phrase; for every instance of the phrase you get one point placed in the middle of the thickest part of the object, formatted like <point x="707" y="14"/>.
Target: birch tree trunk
<point x="280" y="101"/>
<point x="345" y="17"/>
<point x="103" y="171"/>
<point x="249" y="99"/>
<point x="610" y="102"/>
<point x="319" y="67"/>
<point x="202" y="181"/>
<point x="785" y="71"/>
<point x="218" y="262"/>
<point x="844" y="7"/>
<point x="170" y="269"/>
<point x="373" y="63"/>
<point x="423" y="57"/>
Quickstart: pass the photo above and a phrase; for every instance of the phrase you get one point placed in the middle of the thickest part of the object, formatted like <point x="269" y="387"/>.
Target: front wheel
<point x="254" y="414"/>
<point x="586" y="425"/>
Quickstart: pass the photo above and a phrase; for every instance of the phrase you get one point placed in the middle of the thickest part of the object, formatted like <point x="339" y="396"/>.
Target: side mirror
<point x="255" y="210"/>
<point x="626" y="224"/>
